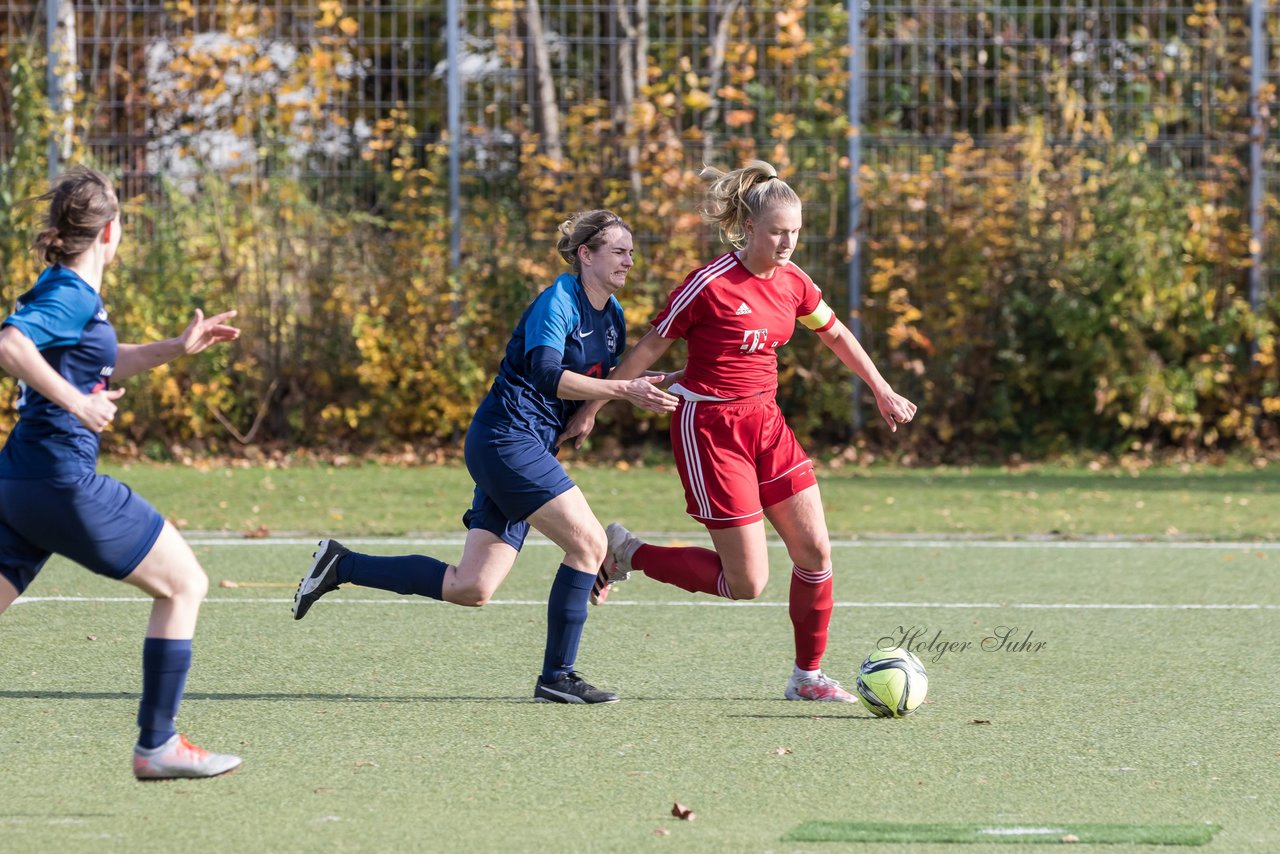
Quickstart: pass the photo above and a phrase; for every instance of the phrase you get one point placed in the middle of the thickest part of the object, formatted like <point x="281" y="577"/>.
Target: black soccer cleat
<point x="321" y="578"/>
<point x="570" y="688"/>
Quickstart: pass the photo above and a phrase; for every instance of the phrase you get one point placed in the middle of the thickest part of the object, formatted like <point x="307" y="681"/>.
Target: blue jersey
<point x="560" y="331"/>
<point x="64" y="317"/>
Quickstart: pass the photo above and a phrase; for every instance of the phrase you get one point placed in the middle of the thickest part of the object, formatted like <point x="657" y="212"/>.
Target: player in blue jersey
<point x="62" y="348"/>
<point x="561" y="353"/>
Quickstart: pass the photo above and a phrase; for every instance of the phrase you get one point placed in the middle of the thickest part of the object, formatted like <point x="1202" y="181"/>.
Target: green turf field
<point x="1229" y="502"/>
<point x="384" y="723"/>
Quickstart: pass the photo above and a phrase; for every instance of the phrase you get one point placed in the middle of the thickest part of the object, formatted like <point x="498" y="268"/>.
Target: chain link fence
<point x="1153" y="71"/>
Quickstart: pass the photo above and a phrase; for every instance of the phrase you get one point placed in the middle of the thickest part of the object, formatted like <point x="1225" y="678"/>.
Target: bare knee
<point x="749" y="585"/>
<point x="811" y="556"/>
<point x="748" y="589"/>
<point x="590" y="550"/>
<point x="470" y="592"/>
<point x="192" y="584"/>
<point x="472" y="597"/>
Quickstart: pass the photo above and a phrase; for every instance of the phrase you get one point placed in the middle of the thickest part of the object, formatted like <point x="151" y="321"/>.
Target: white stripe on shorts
<point x="787" y="472"/>
<point x="692" y="459"/>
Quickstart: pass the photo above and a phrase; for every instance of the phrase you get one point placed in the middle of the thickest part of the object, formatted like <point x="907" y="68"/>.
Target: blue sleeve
<point x="55" y="318"/>
<point x="545" y="367"/>
<point x="553" y="317"/>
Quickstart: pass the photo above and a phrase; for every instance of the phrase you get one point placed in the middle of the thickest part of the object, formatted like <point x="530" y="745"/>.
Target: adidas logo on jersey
<point x="743" y="309"/>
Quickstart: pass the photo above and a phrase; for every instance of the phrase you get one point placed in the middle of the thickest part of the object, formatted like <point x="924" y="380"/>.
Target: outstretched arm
<point x="642" y="392"/>
<point x="894" y="408"/>
<point x="634" y="364"/>
<point x="201" y="333"/>
<point x="19" y="357"/>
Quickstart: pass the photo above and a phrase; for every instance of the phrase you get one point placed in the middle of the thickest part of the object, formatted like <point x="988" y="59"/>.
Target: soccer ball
<point x="892" y="683"/>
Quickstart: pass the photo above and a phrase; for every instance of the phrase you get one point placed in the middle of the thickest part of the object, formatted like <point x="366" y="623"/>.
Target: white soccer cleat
<point x="178" y="758"/>
<point x="617" y="565"/>
<point x="820" y="687"/>
<point x="622" y="547"/>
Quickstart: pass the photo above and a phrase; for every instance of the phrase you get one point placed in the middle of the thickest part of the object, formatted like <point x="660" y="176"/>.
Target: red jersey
<point x="735" y="322"/>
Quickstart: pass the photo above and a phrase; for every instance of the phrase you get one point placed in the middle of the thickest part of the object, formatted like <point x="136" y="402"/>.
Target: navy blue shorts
<point x="515" y="474"/>
<point x="94" y="520"/>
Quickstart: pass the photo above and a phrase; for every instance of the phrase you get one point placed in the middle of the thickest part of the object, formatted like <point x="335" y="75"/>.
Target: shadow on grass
<point x="867" y="718"/>
<point x="283" y="696"/>
<point x="56" y="817"/>
<point x="272" y="697"/>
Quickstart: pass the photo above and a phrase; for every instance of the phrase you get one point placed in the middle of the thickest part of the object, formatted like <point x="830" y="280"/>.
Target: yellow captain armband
<point x="821" y="319"/>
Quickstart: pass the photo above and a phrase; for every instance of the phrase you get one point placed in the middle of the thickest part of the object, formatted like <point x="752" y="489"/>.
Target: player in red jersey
<point x="738" y="460"/>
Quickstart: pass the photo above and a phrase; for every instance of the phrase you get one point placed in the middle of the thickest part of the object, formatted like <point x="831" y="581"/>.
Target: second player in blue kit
<point x="60" y="344"/>
<point x="559" y="356"/>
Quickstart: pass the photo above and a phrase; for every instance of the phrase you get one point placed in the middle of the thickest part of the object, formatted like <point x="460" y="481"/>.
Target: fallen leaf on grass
<point x="682" y="812"/>
<point x="662" y="831"/>
<point x="980" y="721"/>
<point x="1070" y="837"/>
<point x="361" y="763"/>
<point x="781" y="751"/>
<point x="90" y="637"/>
<point x="257" y="533"/>
<point x="227" y="582"/>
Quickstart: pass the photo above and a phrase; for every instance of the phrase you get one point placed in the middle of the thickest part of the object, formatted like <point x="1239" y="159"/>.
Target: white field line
<point x="705" y="603"/>
<point x="932" y="541"/>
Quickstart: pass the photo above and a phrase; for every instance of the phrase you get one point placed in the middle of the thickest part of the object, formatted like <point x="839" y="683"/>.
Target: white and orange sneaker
<point x="819" y="687"/>
<point x="177" y="758"/>
<point x="617" y="564"/>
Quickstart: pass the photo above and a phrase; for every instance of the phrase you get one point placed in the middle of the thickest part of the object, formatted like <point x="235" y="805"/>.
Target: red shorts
<point x="735" y="458"/>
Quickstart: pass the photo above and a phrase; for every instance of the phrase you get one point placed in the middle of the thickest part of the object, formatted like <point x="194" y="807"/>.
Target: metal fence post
<point x="1257" y="135"/>
<point x="856" y="60"/>
<point x="51" y="79"/>
<point x="454" y="119"/>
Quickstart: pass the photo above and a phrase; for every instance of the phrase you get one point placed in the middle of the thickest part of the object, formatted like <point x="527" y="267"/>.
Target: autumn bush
<point x="1053" y="288"/>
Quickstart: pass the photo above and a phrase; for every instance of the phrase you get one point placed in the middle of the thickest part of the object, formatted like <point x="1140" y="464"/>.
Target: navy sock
<point x="407" y="574"/>
<point x="165" y="663"/>
<point x="566" y="614"/>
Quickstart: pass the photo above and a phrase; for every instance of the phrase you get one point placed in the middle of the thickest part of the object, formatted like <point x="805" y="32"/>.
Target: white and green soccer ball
<point x="892" y="683"/>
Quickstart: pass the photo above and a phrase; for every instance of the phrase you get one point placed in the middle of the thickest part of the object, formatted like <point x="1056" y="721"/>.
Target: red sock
<point x="690" y="568"/>
<point x="811" y="601"/>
